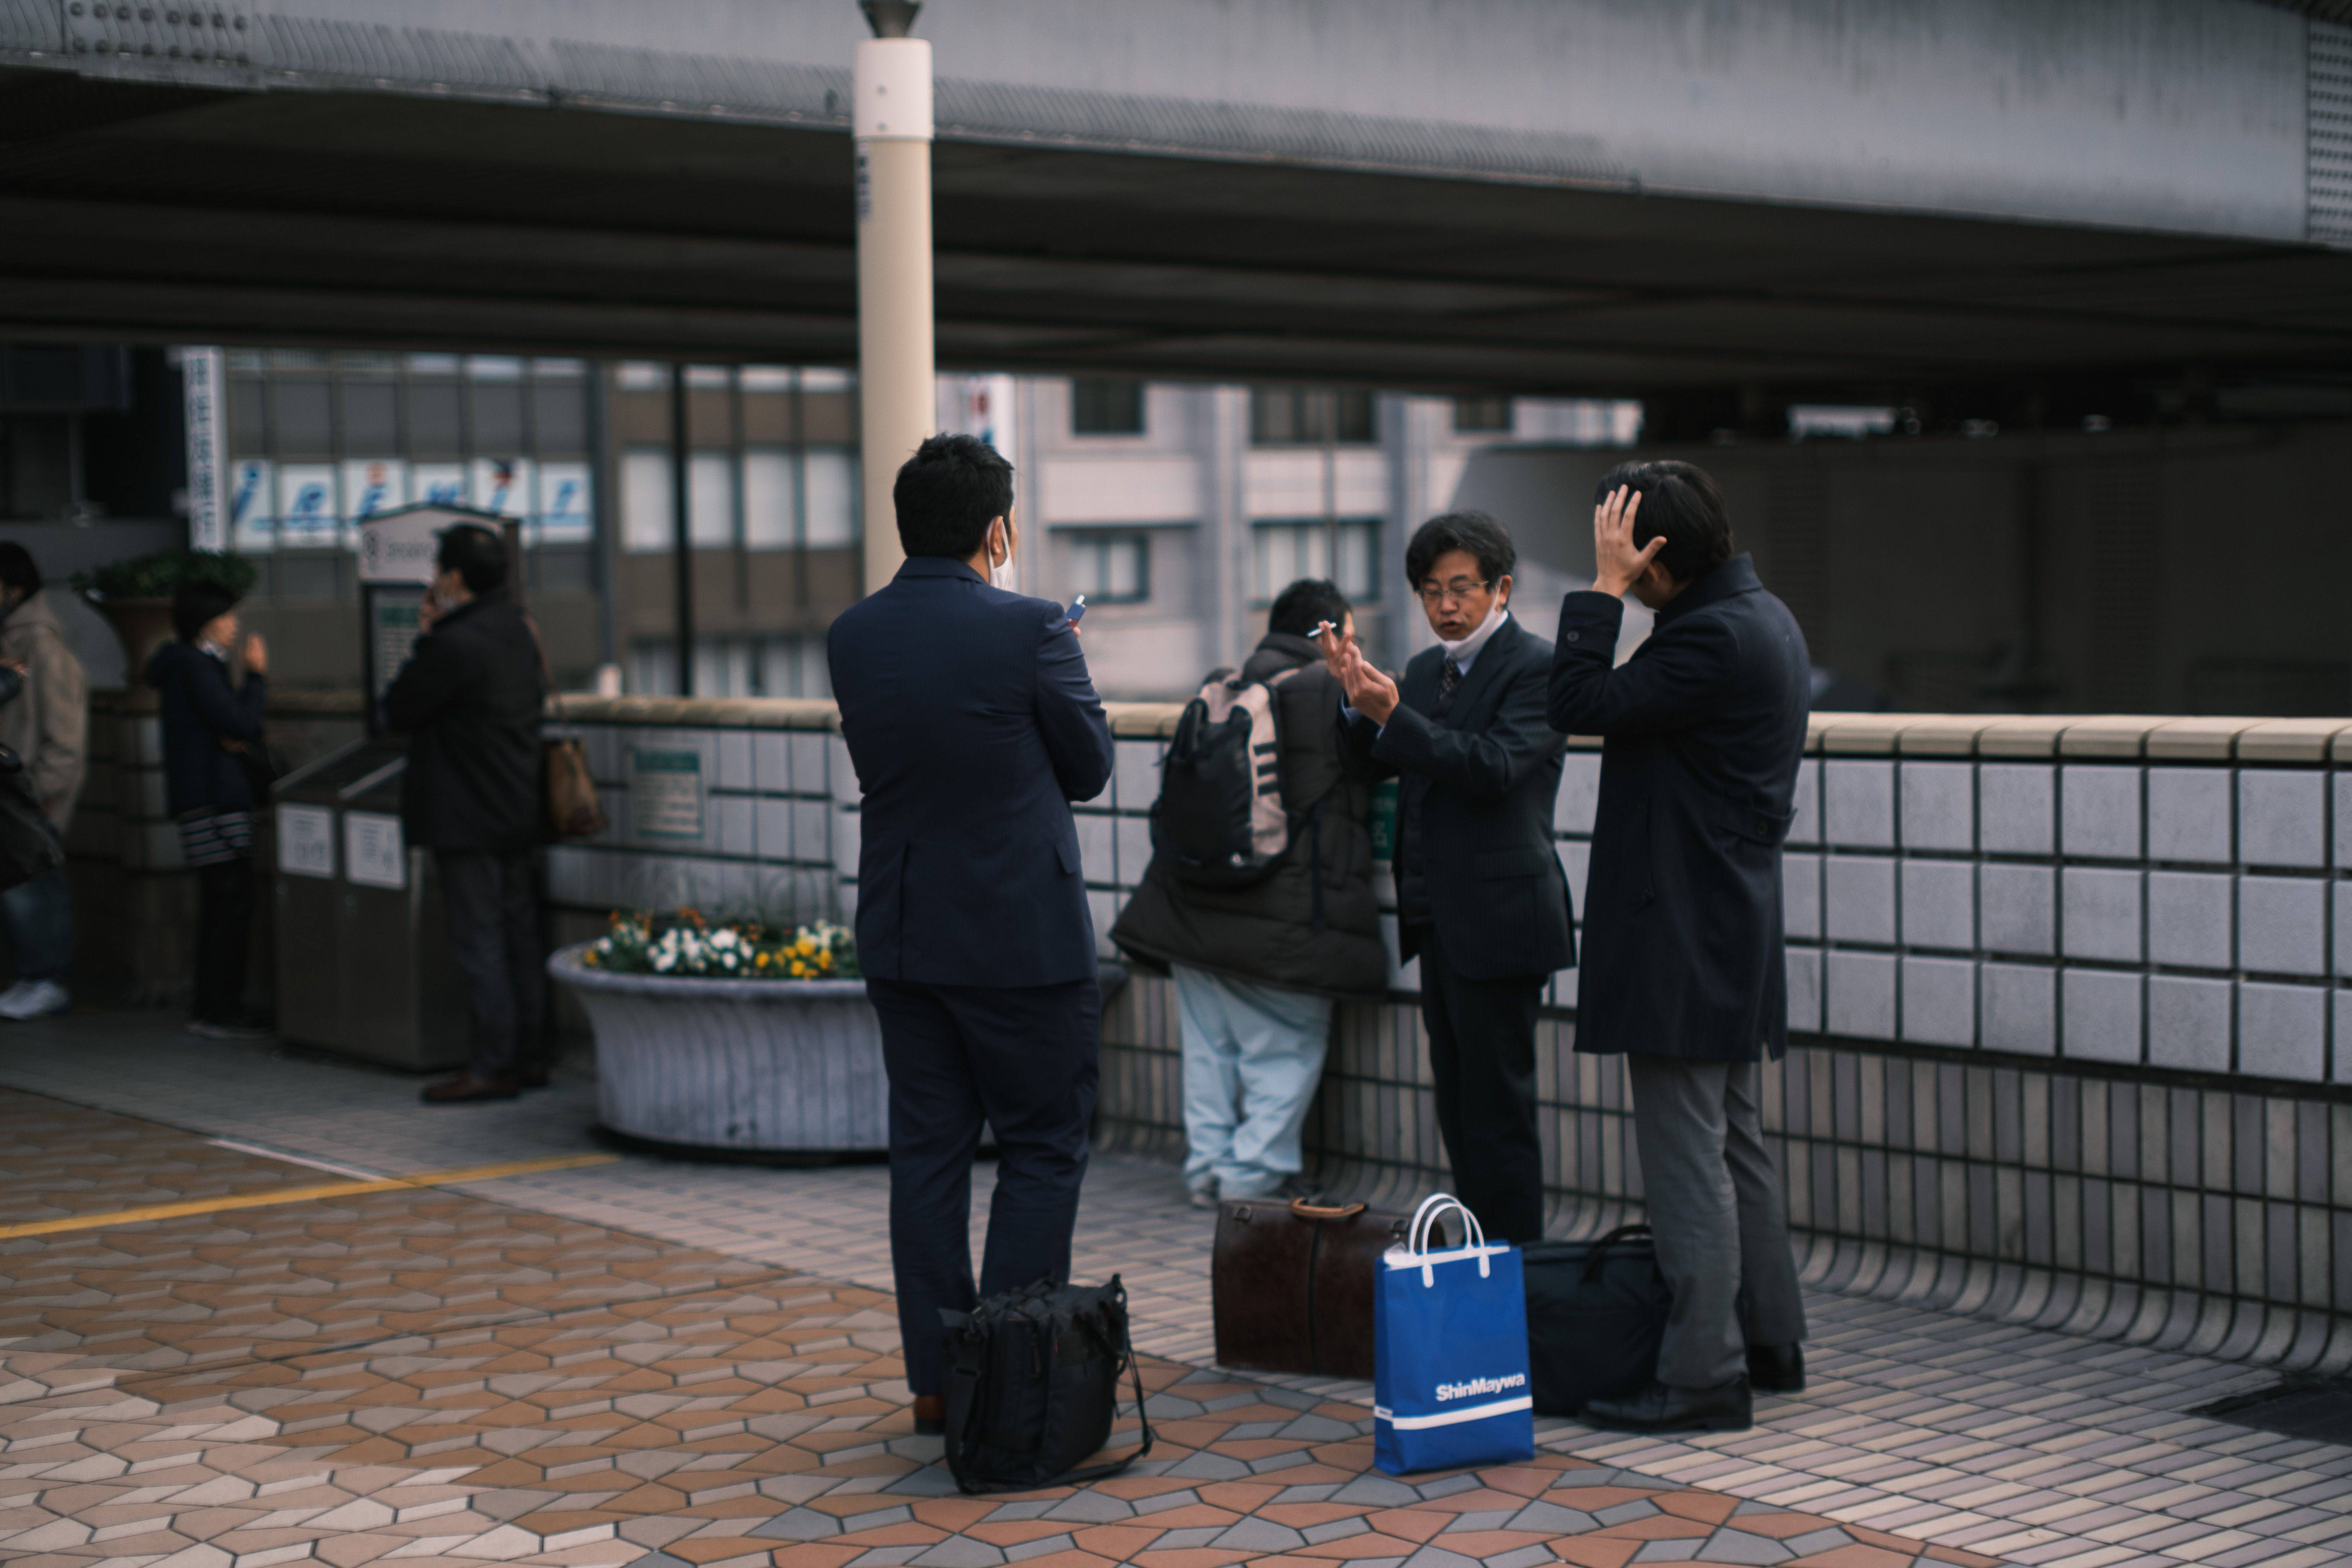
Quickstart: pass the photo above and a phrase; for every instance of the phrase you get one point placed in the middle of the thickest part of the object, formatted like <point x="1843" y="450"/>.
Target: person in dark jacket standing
<point x="1481" y="898"/>
<point x="469" y="697"/>
<point x="972" y="724"/>
<point x="1683" y="970"/>
<point x="212" y="736"/>
<point x="1256" y="967"/>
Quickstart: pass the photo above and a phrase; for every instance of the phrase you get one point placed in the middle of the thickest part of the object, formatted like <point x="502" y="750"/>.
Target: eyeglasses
<point x="1460" y="591"/>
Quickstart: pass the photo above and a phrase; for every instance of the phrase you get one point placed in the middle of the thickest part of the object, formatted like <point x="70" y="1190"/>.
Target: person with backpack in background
<point x="1481" y="898"/>
<point x="1259" y="950"/>
<point x="48" y="729"/>
<point x="212" y="736"/>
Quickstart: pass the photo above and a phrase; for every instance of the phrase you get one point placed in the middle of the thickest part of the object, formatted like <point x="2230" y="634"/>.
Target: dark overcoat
<point x="972" y="724"/>
<point x="469" y="697"/>
<point x="1285" y="930"/>
<point x="1702" y="729"/>
<point x="1483" y="778"/>
<point x="200" y="709"/>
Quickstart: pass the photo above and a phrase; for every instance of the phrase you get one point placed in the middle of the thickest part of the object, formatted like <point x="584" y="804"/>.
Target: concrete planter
<point x="748" y="1066"/>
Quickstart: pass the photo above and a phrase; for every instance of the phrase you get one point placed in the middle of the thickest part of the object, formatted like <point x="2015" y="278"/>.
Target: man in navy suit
<point x="972" y="724"/>
<point x="1481" y="900"/>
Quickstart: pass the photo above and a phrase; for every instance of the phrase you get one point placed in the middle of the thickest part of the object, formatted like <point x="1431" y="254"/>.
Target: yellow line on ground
<point x="299" y="1195"/>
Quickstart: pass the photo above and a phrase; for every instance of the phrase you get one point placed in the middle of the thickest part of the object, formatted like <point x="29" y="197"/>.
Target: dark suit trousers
<point x="493" y="908"/>
<point x="1022" y="1060"/>
<point x="1481" y="1052"/>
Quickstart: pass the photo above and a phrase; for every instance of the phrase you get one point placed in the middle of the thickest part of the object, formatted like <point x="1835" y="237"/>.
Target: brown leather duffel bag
<point x="1291" y="1284"/>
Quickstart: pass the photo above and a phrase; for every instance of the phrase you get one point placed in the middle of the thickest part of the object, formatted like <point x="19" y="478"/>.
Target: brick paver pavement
<point x="2033" y="1446"/>
<point x="425" y="1374"/>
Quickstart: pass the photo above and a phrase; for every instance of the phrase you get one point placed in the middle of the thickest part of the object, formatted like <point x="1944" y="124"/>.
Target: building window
<point x="1283" y="552"/>
<point x="1310" y="416"/>
<point x="1482" y="415"/>
<point x="1106" y="406"/>
<point x="1110" y="568"/>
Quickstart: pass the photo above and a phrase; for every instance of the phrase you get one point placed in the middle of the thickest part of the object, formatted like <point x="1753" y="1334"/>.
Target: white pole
<point x="891" y="121"/>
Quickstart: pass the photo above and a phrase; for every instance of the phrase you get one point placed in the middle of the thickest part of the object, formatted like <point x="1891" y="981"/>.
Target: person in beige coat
<point x="48" y="728"/>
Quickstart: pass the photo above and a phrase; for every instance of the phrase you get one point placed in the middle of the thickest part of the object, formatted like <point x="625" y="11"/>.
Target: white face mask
<point x="1000" y="572"/>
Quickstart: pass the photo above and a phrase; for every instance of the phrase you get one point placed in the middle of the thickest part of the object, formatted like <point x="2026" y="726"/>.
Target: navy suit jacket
<point x="1702" y="731"/>
<point x="972" y="724"/>
<point x="1483" y="780"/>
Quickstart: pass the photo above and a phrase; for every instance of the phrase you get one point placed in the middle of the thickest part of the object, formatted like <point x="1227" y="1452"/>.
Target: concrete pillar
<point x="891" y="121"/>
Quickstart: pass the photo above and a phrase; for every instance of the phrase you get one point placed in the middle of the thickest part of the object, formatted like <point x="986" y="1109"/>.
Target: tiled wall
<point x="2189" y="915"/>
<point x="2067" y="995"/>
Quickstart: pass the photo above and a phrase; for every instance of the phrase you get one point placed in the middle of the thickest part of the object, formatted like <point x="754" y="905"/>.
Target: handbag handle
<point x="1306" y="1210"/>
<point x="1424" y="1222"/>
<point x="1600" y="1253"/>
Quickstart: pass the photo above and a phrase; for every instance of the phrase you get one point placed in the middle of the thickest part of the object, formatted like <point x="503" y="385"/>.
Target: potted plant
<point x="135" y="594"/>
<point x="741" y="1035"/>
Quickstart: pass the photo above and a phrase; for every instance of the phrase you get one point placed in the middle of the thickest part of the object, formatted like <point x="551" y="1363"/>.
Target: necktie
<point x="1446" y="683"/>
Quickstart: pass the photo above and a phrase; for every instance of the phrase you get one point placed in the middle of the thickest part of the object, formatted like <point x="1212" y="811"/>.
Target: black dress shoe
<point x="1661" y="1407"/>
<point x="1776" y="1369"/>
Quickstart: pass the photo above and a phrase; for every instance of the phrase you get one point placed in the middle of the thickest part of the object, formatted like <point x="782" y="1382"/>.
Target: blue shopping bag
<point x="1450" y="1383"/>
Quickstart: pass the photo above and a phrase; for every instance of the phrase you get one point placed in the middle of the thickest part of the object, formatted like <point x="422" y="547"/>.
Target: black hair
<point x="948" y="493"/>
<point x="17" y="569"/>
<point x="476" y="553"/>
<point x="1681" y="502"/>
<point x="1306" y="604"/>
<point x="197" y="605"/>
<point x="1474" y="532"/>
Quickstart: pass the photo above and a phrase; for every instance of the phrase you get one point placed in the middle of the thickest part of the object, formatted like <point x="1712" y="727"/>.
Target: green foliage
<point x="163" y="574"/>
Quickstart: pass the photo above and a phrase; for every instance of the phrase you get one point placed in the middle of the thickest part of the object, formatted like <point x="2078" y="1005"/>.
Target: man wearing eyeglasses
<point x="1481" y="900"/>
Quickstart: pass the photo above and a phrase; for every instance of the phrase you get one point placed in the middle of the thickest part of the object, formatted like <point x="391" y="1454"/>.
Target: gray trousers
<point x="1715" y="1207"/>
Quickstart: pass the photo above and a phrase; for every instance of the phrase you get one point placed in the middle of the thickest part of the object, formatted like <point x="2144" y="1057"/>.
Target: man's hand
<point x="1335" y="644"/>
<point x="1370" y="692"/>
<point x="257" y="654"/>
<point x="1617" y="564"/>
<point x="429" y="610"/>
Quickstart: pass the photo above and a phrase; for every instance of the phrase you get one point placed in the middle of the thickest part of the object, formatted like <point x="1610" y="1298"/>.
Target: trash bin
<point x="363" y="960"/>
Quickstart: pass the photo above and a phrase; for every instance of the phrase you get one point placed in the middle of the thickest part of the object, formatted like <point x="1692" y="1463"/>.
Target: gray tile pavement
<point x="2036" y="1446"/>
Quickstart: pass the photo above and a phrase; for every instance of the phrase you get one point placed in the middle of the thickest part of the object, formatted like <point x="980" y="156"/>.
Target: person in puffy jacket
<point x="211" y="745"/>
<point x="1258" y="967"/>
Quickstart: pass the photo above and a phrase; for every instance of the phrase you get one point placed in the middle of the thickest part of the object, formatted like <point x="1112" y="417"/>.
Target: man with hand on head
<point x="1683" y="970"/>
<point x="1481" y="898"/>
<point x="972" y="724"/>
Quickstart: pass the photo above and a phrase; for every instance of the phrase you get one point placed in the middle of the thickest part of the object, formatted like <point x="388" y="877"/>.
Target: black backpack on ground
<point x="1596" y="1315"/>
<point x="1032" y="1386"/>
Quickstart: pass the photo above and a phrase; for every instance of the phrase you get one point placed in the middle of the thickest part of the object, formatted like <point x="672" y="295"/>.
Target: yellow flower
<point x="805" y="946"/>
<point x="800" y="969"/>
<point x="764" y="961"/>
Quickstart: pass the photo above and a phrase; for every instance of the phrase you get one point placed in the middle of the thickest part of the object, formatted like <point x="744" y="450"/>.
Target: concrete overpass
<point x="1717" y="206"/>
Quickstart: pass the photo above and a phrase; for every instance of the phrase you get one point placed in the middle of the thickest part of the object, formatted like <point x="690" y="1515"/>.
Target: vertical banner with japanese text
<point x="205" y="391"/>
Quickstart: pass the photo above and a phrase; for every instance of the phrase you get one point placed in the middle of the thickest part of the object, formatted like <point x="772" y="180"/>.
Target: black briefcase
<point x="1596" y="1314"/>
